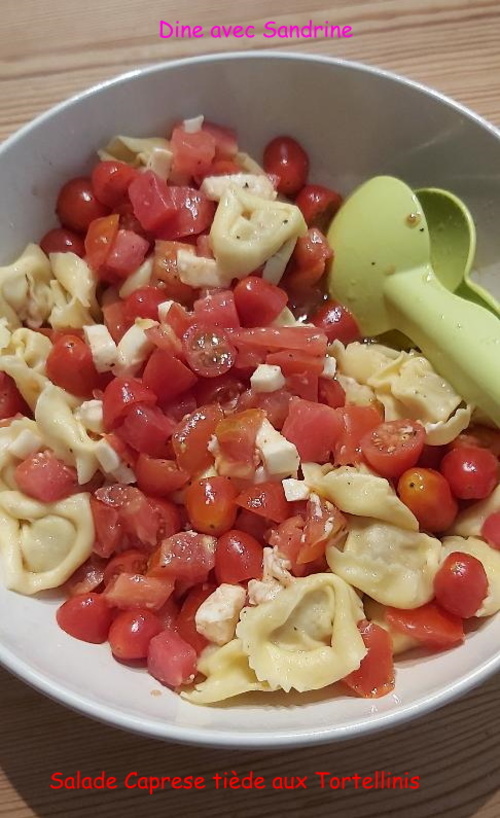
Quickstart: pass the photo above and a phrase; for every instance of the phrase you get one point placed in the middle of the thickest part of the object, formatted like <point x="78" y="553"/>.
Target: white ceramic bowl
<point x="355" y="122"/>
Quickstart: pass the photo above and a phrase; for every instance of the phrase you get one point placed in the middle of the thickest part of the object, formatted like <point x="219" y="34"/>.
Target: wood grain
<point x="51" y="50"/>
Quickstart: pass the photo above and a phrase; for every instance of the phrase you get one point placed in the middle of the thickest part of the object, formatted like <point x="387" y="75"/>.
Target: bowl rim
<point x="208" y="737"/>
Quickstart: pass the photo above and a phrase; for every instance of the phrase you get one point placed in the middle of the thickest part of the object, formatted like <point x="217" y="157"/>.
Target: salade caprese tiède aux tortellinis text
<point x="198" y="448"/>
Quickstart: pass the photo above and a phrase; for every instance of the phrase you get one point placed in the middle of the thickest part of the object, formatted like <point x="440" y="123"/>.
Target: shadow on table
<point x="453" y="753"/>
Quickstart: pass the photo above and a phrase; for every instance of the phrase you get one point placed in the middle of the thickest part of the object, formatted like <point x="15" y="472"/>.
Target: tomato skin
<point x="60" y="240"/>
<point x="131" y="633"/>
<point x="191" y="437"/>
<point x="187" y="555"/>
<point x="258" y="301"/>
<point x="428" y="495"/>
<point x="143" y="303"/>
<point x="429" y="624"/>
<point x="147" y="430"/>
<point x="318" y="205"/>
<point x="375" y="675"/>
<point x="356" y="422"/>
<point x="86" y="617"/>
<point x="337" y="322"/>
<point x="208" y="350"/>
<point x="166" y="376"/>
<point x="461" y="584"/>
<point x="285" y="158"/>
<point x="46" y="478"/>
<point x="165" y="271"/>
<point x="210" y="504"/>
<point x="314" y="429"/>
<point x="158" y="476"/>
<point x="185" y="623"/>
<point x="308" y="262"/>
<point x="471" y="471"/>
<point x="132" y="561"/>
<point x="11" y="400"/>
<point x="266" y="500"/>
<point x="114" y="319"/>
<point x="111" y="181"/>
<point x="238" y="557"/>
<point x="490" y="530"/>
<point x="99" y="239"/>
<point x="70" y="365"/>
<point x="393" y="447"/>
<point x="120" y="395"/>
<point x="77" y="206"/>
<point x="171" y="660"/>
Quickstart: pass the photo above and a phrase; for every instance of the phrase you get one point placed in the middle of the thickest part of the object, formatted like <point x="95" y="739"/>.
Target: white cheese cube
<point x="134" y="347"/>
<point x="295" y="489"/>
<point x="218" y="615"/>
<point x="276" y="265"/>
<point x="124" y="474"/>
<point x="102" y="347"/>
<point x="215" y="187"/>
<point x="260" y="591"/>
<point x="25" y="444"/>
<point x="329" y="367"/>
<point x="108" y="458"/>
<point x="193" y="125"/>
<point x="267" y="378"/>
<point x="90" y="415"/>
<point x="140" y="278"/>
<point x="198" y="271"/>
<point x="279" y="456"/>
<point x="163" y="310"/>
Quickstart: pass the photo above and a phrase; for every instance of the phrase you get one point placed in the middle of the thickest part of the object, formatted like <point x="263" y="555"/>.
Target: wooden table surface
<point x="48" y="51"/>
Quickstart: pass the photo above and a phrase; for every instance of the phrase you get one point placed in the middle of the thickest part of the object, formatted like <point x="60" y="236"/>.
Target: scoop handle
<point x="460" y="339"/>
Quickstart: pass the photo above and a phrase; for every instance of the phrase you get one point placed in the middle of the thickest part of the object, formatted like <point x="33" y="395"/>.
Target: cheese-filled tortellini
<point x="25" y="294"/>
<point x="307" y="637"/>
<point x="17" y="441"/>
<point x="63" y="433"/>
<point x="247" y="230"/>
<point x="470" y="521"/>
<point x="228" y="674"/>
<point x="356" y="490"/>
<point x="376" y="613"/>
<point x="24" y="354"/>
<point x="394" y="566"/>
<point x="43" y="544"/>
<point x="74" y="292"/>
<point x="490" y="559"/>
<point x="362" y="361"/>
<point x="152" y="153"/>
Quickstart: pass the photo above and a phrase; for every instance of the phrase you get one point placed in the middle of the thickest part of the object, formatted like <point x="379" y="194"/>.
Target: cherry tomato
<point x="148" y="430"/>
<point x="238" y="557"/>
<point x="167" y="377"/>
<point x="236" y="436"/>
<point x="85" y="616"/>
<point x="428" y="495"/>
<point x="87" y="577"/>
<point x="45" y="478"/>
<point x="159" y="477"/>
<point x="184" y="556"/>
<point x="429" y="624"/>
<point x="223" y="390"/>
<point x="461" y="584"/>
<point x="120" y="395"/>
<point x="471" y="471"/>
<point x="143" y="303"/>
<point x="70" y="365"/>
<point x="318" y="205"/>
<point x="490" y="530"/>
<point x="308" y="262"/>
<point x="132" y="561"/>
<point x="191" y="437"/>
<point x="131" y="633"/>
<point x="375" y="675"/>
<point x="258" y="301"/>
<point x="60" y="240"/>
<point x="393" y="447"/>
<point x="99" y="240"/>
<point x="77" y="205"/>
<point x="185" y="623"/>
<point x="331" y="392"/>
<point x="11" y="400"/>
<point x="286" y="159"/>
<point x="208" y="350"/>
<point x="266" y="500"/>
<point x="110" y="182"/>
<point x="210" y="504"/>
<point x="337" y="322"/>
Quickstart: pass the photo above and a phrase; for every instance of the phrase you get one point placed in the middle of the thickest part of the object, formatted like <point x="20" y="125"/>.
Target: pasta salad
<point x="228" y="483"/>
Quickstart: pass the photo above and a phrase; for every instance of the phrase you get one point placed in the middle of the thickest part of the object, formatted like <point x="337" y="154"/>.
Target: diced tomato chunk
<point x="267" y="500"/>
<point x="114" y="318"/>
<point x="258" y="301"/>
<point x="125" y="256"/>
<point x="305" y="339"/>
<point x="192" y="152"/>
<point x="356" y="422"/>
<point x="191" y="438"/>
<point x="331" y="392"/>
<point x="131" y="561"/>
<point x="236" y="436"/>
<point x="151" y="200"/>
<point x="159" y="476"/>
<point x="193" y="213"/>
<point x="217" y="308"/>
<point x="274" y="404"/>
<point x="166" y="376"/>
<point x="186" y="556"/>
<point x="46" y="478"/>
<point x="165" y="271"/>
<point x="127" y="591"/>
<point x="314" y="429"/>
<point x="99" y="239"/>
<point x="429" y="624"/>
<point x="11" y="400"/>
<point x="147" y="430"/>
<point x="375" y="676"/>
<point x="226" y="143"/>
<point x="292" y="362"/>
<point x="171" y="660"/>
<point x="303" y="385"/>
<point x="120" y="395"/>
<point x="143" y="303"/>
<point x="185" y="622"/>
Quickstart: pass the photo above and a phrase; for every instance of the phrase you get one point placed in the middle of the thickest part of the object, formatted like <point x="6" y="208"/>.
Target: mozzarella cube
<point x="90" y="415"/>
<point x="215" y="187"/>
<point x="275" y="266"/>
<point x="279" y="456"/>
<point x="329" y="367"/>
<point x="163" y="310"/>
<point x="295" y="490"/>
<point x="218" y="615"/>
<point x="267" y="378"/>
<point x="134" y="347"/>
<point x="198" y="271"/>
<point x="26" y="443"/>
<point x="193" y="125"/>
<point x="276" y="567"/>
<point x="112" y="464"/>
<point x="103" y="348"/>
<point x="260" y="591"/>
<point x="140" y="278"/>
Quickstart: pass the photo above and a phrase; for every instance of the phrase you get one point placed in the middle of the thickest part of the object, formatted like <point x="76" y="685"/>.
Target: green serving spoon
<point x="453" y="245"/>
<point x="382" y="272"/>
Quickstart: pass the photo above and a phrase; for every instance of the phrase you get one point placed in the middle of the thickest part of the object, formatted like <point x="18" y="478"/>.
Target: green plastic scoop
<point x="453" y="245"/>
<point x="382" y="272"/>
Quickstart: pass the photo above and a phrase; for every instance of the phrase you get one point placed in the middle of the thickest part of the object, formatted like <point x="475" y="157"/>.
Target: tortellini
<point x="73" y="291"/>
<point x="489" y="557"/>
<point x="356" y="490"/>
<point x="307" y="637"/>
<point x="247" y="230"/>
<point x="43" y="544"/>
<point x="17" y="441"/>
<point x="24" y="354"/>
<point x="228" y="674"/>
<point x="375" y="612"/>
<point x="152" y="153"/>
<point x="470" y="521"/>
<point x="393" y="566"/>
<point x="25" y="294"/>
<point x="63" y="433"/>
